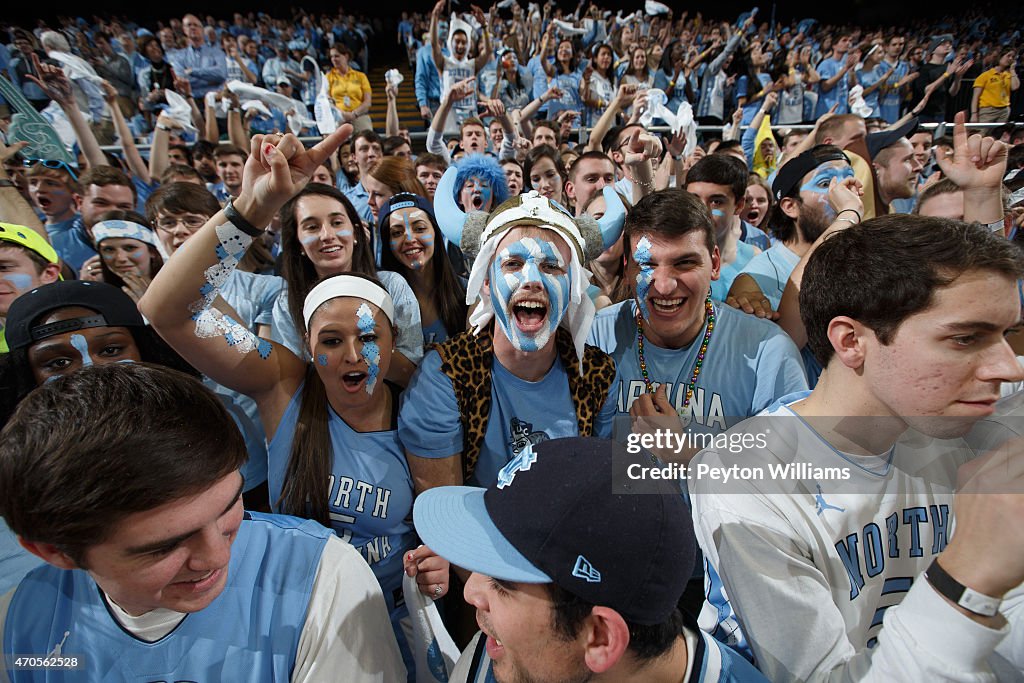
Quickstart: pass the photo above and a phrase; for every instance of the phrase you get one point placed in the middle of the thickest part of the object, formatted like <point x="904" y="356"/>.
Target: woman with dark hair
<point x="754" y="82"/>
<point x="322" y="235"/>
<point x="608" y="284"/>
<point x="545" y="172"/>
<point x="129" y="252"/>
<point x="510" y="88"/>
<point x="598" y="84"/>
<point x="407" y="225"/>
<point x="155" y="78"/>
<point x="334" y="453"/>
<point x="566" y="75"/>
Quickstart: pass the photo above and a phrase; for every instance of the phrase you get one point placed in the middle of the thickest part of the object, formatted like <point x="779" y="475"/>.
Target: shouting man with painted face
<point x="487" y="396"/>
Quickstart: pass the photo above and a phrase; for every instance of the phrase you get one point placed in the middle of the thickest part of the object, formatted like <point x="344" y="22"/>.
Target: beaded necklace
<point x="709" y="311"/>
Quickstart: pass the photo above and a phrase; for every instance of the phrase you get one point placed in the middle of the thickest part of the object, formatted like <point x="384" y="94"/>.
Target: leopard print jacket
<point x="466" y="360"/>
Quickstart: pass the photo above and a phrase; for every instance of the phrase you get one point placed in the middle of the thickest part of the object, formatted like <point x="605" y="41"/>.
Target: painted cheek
<point x="645" y="278"/>
<point x="717" y="213"/>
<point x="79" y="343"/>
<point x="321" y="359"/>
<point x="20" y="281"/>
<point x="312" y="239"/>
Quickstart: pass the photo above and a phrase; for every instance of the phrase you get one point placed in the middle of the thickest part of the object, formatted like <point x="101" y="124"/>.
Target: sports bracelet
<point x="236" y="219"/>
<point x="853" y="211"/>
<point x="968" y="598"/>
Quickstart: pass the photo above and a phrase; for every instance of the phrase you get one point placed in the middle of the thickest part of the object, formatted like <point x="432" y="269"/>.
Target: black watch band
<point x="239" y="222"/>
<point x="968" y="598"/>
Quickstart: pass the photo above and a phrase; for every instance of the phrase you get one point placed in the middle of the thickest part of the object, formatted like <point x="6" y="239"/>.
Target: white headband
<point x="347" y="285"/>
<point x="123" y="229"/>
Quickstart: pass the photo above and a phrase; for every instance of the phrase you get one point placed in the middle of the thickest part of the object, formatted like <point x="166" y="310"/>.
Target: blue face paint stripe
<point x="370" y="351"/>
<point x="79" y="343"/>
<point x="20" y="281"/>
<point x="645" y="278"/>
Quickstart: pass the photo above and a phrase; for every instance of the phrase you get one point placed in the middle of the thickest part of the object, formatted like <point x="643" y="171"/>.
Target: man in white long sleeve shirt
<point x="832" y="556"/>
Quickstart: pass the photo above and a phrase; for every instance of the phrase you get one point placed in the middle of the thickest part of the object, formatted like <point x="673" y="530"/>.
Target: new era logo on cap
<point x="520" y="463"/>
<point x="586" y="571"/>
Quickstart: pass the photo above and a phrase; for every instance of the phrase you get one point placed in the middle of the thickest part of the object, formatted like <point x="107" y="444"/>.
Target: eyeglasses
<point x="54" y="164"/>
<point x="191" y="223"/>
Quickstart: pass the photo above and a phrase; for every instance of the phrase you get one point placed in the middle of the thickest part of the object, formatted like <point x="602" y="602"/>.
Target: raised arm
<point x="485" y="55"/>
<point x="623" y="97"/>
<point x="435" y="39"/>
<point x="977" y="167"/>
<point x="132" y="157"/>
<point x="180" y="301"/>
<point x="57" y="87"/>
<point x="391" y="120"/>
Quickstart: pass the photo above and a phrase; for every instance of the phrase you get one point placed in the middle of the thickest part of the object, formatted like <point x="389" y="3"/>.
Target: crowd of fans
<point x="301" y="397"/>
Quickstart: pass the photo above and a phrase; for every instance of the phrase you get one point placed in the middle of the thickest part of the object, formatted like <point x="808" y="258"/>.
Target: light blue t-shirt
<point x="868" y="79"/>
<point x="771" y="270"/>
<point x="749" y="363"/>
<point x="407" y="319"/>
<point x="522" y="413"/>
<point x="370" y="492"/>
<point x="891" y="100"/>
<point x="838" y="94"/>
<point x="729" y="271"/>
<point x="71" y="242"/>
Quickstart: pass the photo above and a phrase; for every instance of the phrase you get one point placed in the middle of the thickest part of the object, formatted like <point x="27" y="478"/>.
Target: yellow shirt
<point x="348" y="91"/>
<point x="995" y="88"/>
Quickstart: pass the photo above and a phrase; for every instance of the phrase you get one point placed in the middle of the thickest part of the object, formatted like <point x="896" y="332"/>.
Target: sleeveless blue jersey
<point x="253" y="626"/>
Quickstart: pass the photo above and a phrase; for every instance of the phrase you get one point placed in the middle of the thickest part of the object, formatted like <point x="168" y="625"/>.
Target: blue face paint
<point x="370" y="351"/>
<point x="425" y="240"/>
<point x="529" y="261"/>
<point x="477" y="184"/>
<point x="820" y="182"/>
<point x="309" y="240"/>
<point x="321" y="359"/>
<point x="645" y="278"/>
<point x="82" y="346"/>
<point x="717" y="213"/>
<point x="20" y="281"/>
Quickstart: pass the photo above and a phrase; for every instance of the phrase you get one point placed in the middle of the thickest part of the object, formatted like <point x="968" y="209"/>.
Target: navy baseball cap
<point x="876" y="142"/>
<point x="557" y="515"/>
<point x="113" y="308"/>
<point x="793" y="171"/>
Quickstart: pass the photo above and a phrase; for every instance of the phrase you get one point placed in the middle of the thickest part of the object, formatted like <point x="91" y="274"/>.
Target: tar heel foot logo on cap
<point x="586" y="571"/>
<point x="520" y="463"/>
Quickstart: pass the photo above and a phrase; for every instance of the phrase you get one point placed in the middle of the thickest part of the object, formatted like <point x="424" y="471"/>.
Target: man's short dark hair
<point x="74" y="462"/>
<point x="721" y="169"/>
<point x="613" y="139"/>
<point x="175" y="173"/>
<point x="729" y="146"/>
<point x="184" y="150"/>
<point x="587" y="156"/>
<point x="228" y="150"/>
<point x="203" y="148"/>
<point x="673" y="213"/>
<point x="645" y="642"/>
<point x="1015" y="157"/>
<point x="391" y="143"/>
<point x="181" y="198"/>
<point x="432" y="160"/>
<point x="550" y="125"/>
<point x="102" y="176"/>
<point x="366" y="134"/>
<point x="888" y="268"/>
